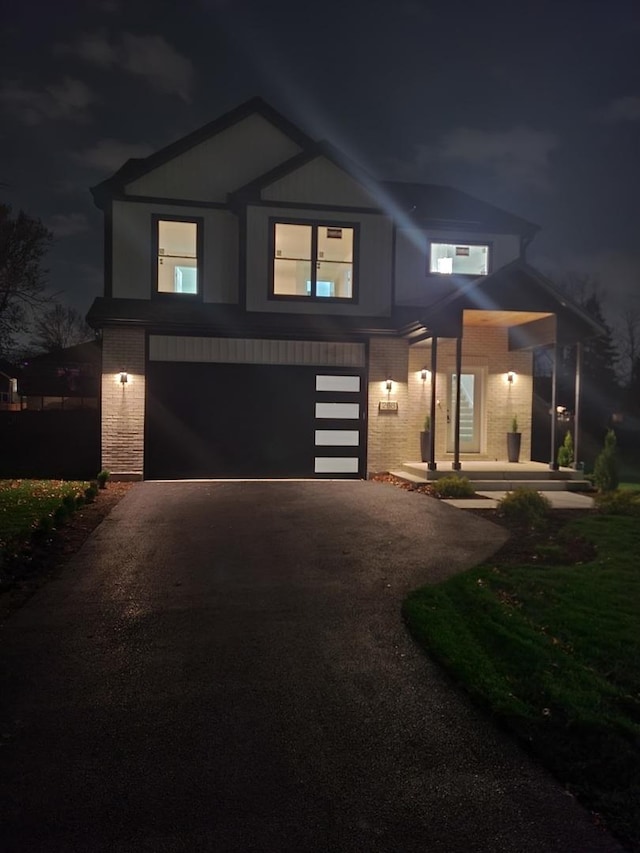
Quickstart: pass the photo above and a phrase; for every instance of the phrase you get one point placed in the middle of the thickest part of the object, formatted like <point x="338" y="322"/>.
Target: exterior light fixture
<point x="389" y="385"/>
<point x="423" y="374"/>
<point x="124" y="377"/>
<point x="510" y="377"/>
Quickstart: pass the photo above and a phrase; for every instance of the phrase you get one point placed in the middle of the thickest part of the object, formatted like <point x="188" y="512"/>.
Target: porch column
<point x="576" y="409"/>
<point x="456" y="423"/>
<point x="553" y="464"/>
<point x="432" y="465"/>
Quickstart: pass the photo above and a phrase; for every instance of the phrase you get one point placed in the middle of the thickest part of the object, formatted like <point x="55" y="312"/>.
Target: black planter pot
<point x="425" y="446"/>
<point x="513" y="446"/>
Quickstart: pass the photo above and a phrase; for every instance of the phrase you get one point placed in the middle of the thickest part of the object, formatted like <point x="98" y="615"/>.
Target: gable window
<point x="178" y="261"/>
<point x="313" y="261"/>
<point x="459" y="259"/>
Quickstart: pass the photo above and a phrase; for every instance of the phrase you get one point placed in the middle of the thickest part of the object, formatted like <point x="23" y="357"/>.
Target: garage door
<point x="253" y="420"/>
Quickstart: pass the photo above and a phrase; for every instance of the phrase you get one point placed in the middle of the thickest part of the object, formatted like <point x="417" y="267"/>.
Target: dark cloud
<point x="67" y="100"/>
<point x="150" y="57"/>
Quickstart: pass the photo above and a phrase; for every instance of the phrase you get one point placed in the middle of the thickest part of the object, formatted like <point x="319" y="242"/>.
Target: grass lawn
<point x="554" y="652"/>
<point x="24" y="502"/>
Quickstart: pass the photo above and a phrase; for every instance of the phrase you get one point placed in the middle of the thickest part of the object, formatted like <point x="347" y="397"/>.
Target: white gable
<point x="221" y="164"/>
<point x="319" y="182"/>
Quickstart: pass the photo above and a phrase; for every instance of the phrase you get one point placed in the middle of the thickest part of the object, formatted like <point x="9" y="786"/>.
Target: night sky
<point x="534" y="107"/>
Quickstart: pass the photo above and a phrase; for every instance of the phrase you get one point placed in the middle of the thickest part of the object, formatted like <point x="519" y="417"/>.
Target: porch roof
<point x="515" y="288"/>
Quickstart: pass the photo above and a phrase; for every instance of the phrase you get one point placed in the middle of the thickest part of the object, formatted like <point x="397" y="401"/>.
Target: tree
<point x="23" y="244"/>
<point x="60" y="327"/>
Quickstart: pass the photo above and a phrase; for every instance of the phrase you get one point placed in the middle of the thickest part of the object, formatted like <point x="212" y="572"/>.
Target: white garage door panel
<point x="349" y="411"/>
<point x="337" y="437"/>
<point x="336" y="465"/>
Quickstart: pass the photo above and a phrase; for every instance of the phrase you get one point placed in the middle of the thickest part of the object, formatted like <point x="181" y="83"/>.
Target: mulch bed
<point x="39" y="563"/>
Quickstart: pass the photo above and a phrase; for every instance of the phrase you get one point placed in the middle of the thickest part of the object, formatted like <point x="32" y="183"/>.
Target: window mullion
<point x="314" y="261"/>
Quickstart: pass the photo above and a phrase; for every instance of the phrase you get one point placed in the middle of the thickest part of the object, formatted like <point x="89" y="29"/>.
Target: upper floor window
<point x="459" y="259"/>
<point x="313" y="261"/>
<point x="178" y="261"/>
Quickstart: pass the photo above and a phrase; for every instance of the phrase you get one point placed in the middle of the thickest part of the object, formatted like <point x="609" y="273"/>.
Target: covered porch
<point x="471" y="364"/>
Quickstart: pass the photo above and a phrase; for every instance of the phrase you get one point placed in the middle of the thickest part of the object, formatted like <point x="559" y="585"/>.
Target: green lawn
<point x="24" y="502"/>
<point x="554" y="653"/>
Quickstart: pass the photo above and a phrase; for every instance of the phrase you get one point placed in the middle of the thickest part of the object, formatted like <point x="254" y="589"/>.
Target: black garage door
<point x="248" y="420"/>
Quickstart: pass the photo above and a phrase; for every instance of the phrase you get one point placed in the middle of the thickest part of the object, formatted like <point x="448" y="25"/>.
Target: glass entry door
<point x="470" y="411"/>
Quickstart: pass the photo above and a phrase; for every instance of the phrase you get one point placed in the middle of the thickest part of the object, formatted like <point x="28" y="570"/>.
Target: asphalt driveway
<point x="223" y="667"/>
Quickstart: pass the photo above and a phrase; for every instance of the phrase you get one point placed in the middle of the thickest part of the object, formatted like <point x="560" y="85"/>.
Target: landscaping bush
<point x="453" y="487"/>
<point x="565" y="452"/>
<point x="620" y="502"/>
<point x="69" y="501"/>
<point x="525" y="507"/>
<point x="60" y="516"/>
<point x="90" y="494"/>
<point x="102" y="478"/>
<point x="605" y="471"/>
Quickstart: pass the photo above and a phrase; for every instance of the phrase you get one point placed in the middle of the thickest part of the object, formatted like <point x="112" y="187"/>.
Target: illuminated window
<point x="178" y="261"/>
<point x="459" y="259"/>
<point x="313" y="261"/>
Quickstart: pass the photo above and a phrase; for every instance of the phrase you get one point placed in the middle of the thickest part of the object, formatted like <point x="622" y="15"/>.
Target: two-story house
<point x="272" y="311"/>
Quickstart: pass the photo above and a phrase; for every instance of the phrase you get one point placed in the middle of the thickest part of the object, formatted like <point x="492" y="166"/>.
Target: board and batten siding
<point x="413" y="283"/>
<point x="219" y="165"/>
<point x="319" y="182"/>
<point x="374" y="268"/>
<point x="132" y="245"/>
<point x="258" y="351"/>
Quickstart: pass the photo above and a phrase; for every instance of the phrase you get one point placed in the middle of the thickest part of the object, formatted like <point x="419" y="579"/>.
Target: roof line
<point x="136" y="168"/>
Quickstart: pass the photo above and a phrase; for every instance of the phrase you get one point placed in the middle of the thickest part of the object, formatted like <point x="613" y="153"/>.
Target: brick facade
<point x="394" y="438"/>
<point x="123" y="405"/>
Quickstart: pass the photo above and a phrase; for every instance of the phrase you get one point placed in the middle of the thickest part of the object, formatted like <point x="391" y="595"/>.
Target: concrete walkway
<point x="558" y="498"/>
<point x="223" y="668"/>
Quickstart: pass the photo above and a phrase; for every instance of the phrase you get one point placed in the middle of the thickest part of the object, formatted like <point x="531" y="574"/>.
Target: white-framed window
<point x="178" y="261"/>
<point x="459" y="258"/>
<point x="313" y="261"/>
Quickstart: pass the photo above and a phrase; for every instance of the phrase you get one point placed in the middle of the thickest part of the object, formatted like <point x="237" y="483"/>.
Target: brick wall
<point x="387" y="433"/>
<point x="123" y="405"/>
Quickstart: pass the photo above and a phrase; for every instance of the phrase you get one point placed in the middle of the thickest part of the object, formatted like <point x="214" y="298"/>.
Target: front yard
<point x="552" y="650"/>
<point x="42" y="524"/>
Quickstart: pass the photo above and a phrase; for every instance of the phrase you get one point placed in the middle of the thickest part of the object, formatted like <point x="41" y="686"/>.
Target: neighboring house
<point x="66" y="379"/>
<point x="9" y="397"/>
<point x="271" y="311"/>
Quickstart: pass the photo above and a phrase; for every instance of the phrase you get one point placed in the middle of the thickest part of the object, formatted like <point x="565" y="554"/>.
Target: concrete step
<point x="499" y="473"/>
<point x="500" y="484"/>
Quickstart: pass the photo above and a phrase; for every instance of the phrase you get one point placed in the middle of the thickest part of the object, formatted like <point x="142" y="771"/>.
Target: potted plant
<point x="513" y="441"/>
<point x="425" y="440"/>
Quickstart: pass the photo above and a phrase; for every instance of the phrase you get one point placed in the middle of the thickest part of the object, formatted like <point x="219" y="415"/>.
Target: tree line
<point x="32" y="319"/>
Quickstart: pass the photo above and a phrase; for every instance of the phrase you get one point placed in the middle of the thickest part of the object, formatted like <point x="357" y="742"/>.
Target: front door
<point x="470" y="411"/>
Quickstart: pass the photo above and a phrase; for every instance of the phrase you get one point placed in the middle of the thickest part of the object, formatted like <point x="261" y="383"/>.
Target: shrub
<point x="60" y="516"/>
<point x="102" y="478"/>
<point x="619" y="502"/>
<point x="69" y="501"/>
<point x="453" y="487"/>
<point x="525" y="507"/>
<point x="80" y="501"/>
<point x="565" y="452"/>
<point x="605" y="470"/>
<point x="514" y="423"/>
<point x="90" y="494"/>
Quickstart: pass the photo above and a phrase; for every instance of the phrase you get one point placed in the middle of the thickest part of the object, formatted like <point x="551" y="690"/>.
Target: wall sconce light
<point x="423" y="374"/>
<point x="510" y="377"/>
<point x="389" y="385"/>
<point x="124" y="377"/>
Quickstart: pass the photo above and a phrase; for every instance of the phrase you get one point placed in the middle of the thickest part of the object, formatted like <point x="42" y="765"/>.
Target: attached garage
<point x="227" y="408"/>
